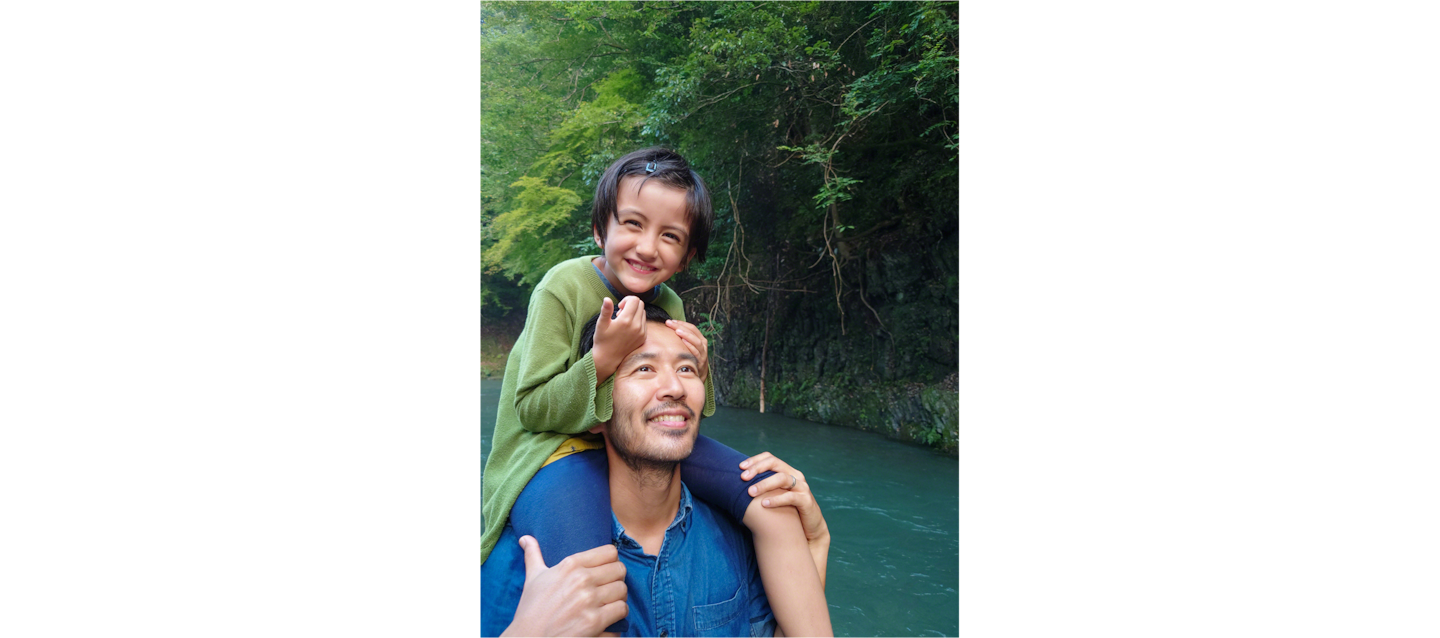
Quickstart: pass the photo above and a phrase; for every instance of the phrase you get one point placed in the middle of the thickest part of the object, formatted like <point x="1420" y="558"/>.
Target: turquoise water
<point x="892" y="509"/>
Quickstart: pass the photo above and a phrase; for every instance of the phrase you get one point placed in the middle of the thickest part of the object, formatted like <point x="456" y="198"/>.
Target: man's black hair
<point x="587" y="334"/>
<point x="668" y="168"/>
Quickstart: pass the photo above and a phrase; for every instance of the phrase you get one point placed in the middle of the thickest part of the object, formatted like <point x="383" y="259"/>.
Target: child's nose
<point x="646" y="246"/>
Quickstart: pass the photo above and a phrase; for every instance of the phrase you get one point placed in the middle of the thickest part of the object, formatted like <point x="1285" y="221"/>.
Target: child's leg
<point x="712" y="472"/>
<point x="566" y="507"/>
<point x="786" y="567"/>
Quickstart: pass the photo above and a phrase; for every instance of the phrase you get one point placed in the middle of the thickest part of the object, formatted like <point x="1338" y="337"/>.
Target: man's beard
<point x="644" y="455"/>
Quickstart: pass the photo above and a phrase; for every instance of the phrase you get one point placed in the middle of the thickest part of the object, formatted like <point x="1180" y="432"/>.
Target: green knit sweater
<point x="549" y="392"/>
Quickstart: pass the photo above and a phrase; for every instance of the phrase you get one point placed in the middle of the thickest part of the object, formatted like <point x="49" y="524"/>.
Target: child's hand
<point x="694" y="341"/>
<point x="615" y="338"/>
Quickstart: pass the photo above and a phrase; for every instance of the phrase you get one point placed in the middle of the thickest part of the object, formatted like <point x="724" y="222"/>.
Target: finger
<point x="769" y="463"/>
<point x="613" y="612"/>
<point x="777" y="481"/>
<point x="686" y="330"/>
<point x="534" y="560"/>
<point x="756" y="459"/>
<point x="630" y="307"/>
<point x="610" y="592"/>
<point x="608" y="573"/>
<point x="596" y="557"/>
<point x="607" y="308"/>
<point x="797" y="500"/>
<point x="693" y="339"/>
<point x="694" y="351"/>
<point x="773" y="465"/>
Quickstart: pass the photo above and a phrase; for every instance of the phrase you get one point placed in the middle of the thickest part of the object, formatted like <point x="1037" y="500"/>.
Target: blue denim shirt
<point x="705" y="582"/>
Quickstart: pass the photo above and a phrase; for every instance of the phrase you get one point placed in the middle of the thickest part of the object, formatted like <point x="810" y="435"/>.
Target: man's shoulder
<point x="710" y="521"/>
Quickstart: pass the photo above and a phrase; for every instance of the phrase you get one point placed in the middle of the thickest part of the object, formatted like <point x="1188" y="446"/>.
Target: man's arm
<point x="580" y="596"/>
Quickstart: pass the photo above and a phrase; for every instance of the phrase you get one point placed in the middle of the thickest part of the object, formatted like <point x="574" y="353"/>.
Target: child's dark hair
<point x="587" y="334"/>
<point x="668" y="168"/>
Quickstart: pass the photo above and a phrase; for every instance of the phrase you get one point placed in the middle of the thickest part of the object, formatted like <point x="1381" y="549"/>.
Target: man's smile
<point x="670" y="421"/>
<point x="671" y="416"/>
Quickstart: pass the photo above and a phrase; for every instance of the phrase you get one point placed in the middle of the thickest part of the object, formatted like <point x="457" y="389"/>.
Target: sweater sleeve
<point x="549" y="397"/>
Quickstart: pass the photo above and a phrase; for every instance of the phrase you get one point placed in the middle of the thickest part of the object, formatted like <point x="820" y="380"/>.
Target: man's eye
<point x="687" y="368"/>
<point x="644" y="369"/>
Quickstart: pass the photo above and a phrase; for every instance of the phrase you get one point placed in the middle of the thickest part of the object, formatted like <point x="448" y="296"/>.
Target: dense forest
<point x="827" y="134"/>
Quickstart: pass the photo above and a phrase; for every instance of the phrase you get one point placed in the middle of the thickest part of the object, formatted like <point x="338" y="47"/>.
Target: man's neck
<point x="645" y="500"/>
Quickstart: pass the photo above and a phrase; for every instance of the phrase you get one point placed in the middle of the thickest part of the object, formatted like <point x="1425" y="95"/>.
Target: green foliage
<point x="528" y="243"/>
<point x="815" y="124"/>
<point x="708" y="326"/>
<point x="568" y="85"/>
<point x="917" y="65"/>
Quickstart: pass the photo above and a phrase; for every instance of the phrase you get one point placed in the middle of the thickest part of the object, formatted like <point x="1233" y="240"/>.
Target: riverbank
<point x="915" y="412"/>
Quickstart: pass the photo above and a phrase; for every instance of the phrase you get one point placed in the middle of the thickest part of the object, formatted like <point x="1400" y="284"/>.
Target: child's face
<point x="648" y="238"/>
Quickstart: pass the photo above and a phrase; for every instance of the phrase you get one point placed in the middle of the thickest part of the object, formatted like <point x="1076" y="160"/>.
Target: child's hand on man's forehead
<point x="695" y="342"/>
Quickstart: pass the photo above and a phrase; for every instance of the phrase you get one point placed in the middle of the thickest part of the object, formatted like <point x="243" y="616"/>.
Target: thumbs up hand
<point x="579" y="596"/>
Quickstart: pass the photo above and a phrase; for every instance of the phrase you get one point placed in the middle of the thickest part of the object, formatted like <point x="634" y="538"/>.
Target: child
<point x="651" y="216"/>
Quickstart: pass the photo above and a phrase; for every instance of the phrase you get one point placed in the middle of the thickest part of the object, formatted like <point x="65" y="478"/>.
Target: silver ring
<point x="792" y="481"/>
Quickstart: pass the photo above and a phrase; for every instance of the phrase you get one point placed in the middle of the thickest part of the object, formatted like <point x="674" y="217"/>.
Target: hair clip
<point x="650" y="168"/>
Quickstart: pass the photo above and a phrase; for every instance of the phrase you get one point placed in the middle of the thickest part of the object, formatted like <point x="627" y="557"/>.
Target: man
<point x="687" y="569"/>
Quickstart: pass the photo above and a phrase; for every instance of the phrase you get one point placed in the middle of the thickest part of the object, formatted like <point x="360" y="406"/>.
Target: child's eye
<point x="672" y="236"/>
<point x="632" y="222"/>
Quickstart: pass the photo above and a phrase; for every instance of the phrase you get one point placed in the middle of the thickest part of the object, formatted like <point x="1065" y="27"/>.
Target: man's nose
<point x="671" y="389"/>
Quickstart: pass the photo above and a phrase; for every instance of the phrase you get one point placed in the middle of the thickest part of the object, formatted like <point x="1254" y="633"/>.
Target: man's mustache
<point x="667" y="406"/>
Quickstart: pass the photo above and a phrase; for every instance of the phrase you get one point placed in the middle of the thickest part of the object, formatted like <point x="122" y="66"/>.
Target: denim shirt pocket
<point x="720" y="616"/>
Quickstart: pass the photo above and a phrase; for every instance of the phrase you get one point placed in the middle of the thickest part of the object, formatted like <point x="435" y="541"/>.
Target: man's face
<point x="658" y="398"/>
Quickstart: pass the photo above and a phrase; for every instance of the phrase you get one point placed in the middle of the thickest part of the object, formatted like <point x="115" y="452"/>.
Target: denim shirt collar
<point x="682" y="521"/>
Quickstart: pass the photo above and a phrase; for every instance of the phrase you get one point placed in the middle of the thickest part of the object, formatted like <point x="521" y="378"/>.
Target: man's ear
<point x="599" y="428"/>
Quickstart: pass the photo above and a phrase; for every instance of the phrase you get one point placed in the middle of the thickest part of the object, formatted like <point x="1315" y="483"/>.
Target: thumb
<point x="534" y="561"/>
<point x="607" y="308"/>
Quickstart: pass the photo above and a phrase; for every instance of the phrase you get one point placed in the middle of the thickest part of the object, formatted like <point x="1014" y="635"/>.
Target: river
<point x="892" y="509"/>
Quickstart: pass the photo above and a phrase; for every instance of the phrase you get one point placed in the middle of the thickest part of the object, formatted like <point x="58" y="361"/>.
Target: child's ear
<point x="686" y="263"/>
<point x="596" y="232"/>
